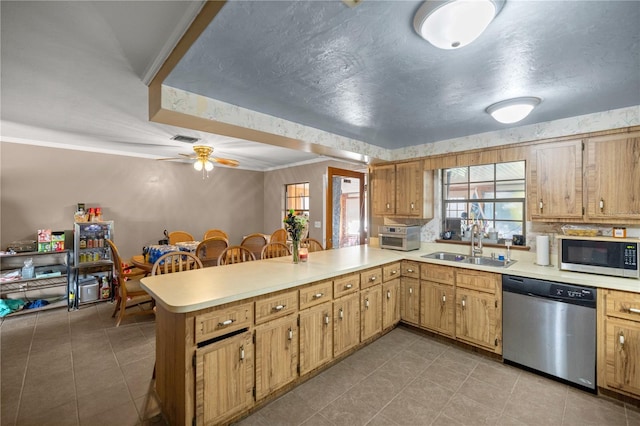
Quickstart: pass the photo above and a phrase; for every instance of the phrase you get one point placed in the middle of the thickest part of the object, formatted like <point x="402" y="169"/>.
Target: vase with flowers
<point x="296" y="226"/>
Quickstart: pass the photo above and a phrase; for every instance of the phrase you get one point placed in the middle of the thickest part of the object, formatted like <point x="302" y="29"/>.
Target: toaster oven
<point x="399" y="237"/>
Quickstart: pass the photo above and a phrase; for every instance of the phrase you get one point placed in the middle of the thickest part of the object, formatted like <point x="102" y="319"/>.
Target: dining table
<point x="140" y="261"/>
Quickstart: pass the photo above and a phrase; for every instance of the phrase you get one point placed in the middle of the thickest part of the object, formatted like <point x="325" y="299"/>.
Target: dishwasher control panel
<point x="564" y="291"/>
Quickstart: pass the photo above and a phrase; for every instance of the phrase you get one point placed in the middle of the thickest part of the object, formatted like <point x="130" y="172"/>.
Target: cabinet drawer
<point x="623" y="305"/>
<point x="346" y="285"/>
<point x="370" y="277"/>
<point x="477" y="280"/>
<point x="315" y="294"/>
<point x="390" y="272"/>
<point x="223" y="321"/>
<point x="410" y="269"/>
<point x="276" y="306"/>
<point x="437" y="273"/>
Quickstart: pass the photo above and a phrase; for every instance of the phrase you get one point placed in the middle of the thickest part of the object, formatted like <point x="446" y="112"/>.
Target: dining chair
<point x="209" y="233"/>
<point x="235" y="254"/>
<point x="128" y="292"/>
<point x="209" y="250"/>
<point x="271" y="250"/>
<point x="312" y="244"/>
<point x="179" y="237"/>
<point x="279" y="236"/>
<point x="176" y="261"/>
<point x="254" y="242"/>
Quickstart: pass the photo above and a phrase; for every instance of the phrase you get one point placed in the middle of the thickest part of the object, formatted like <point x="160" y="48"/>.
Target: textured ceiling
<point x="364" y="73"/>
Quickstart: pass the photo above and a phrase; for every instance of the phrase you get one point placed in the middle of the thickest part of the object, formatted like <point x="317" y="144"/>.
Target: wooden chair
<point x="176" y="261"/>
<point x="272" y="250"/>
<point x="210" y="249"/>
<point x="278" y="236"/>
<point x="313" y="244"/>
<point x="235" y="254"/>
<point x="254" y="243"/>
<point x="210" y="233"/>
<point x="128" y="292"/>
<point x="179" y="237"/>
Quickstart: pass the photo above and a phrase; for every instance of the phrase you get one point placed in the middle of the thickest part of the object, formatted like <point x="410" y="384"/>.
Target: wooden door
<point x="478" y="319"/>
<point x="346" y="323"/>
<point x="410" y="300"/>
<point x="383" y="190"/>
<point x="555" y="184"/>
<point x="390" y="303"/>
<point x="316" y="337"/>
<point x="409" y="189"/>
<point x="341" y="209"/>
<point x="437" y="307"/>
<point x="622" y="352"/>
<point x="612" y="172"/>
<point x="224" y="378"/>
<point x="370" y="312"/>
<point x="276" y="354"/>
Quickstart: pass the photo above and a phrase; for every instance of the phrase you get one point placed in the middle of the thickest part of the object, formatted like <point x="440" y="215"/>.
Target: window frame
<point x="305" y="198"/>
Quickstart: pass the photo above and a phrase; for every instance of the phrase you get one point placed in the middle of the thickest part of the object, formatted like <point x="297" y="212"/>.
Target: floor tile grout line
<point x="26" y="368"/>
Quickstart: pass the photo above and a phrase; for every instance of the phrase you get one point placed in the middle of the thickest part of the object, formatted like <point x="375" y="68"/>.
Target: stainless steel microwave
<point x="399" y="237"/>
<point x="604" y="256"/>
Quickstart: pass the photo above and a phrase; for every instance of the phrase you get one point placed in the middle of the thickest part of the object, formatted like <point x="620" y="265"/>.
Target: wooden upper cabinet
<point x="555" y="181"/>
<point x="612" y="177"/>
<point x="409" y="187"/>
<point x="383" y="190"/>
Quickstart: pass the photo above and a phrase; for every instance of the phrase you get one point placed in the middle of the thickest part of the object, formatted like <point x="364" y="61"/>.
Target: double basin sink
<point x="471" y="260"/>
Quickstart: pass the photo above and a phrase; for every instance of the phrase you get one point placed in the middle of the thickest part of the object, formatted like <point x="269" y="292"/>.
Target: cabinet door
<point x="437" y="307"/>
<point x="316" y="337"/>
<point x="478" y="319"/>
<point x="224" y="378"/>
<point x="383" y="190"/>
<point x="410" y="300"/>
<point x="370" y="312"/>
<point x="409" y="189"/>
<point x="555" y="190"/>
<point x="613" y="177"/>
<point x="623" y="355"/>
<point x="390" y="303"/>
<point x="346" y="323"/>
<point x="276" y="354"/>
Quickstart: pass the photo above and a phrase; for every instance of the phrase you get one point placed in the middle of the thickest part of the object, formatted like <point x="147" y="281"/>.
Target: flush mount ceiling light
<point x="513" y="110"/>
<point x="452" y="24"/>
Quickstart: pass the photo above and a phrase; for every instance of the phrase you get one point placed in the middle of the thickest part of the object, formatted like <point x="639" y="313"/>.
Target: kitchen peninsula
<point x="231" y="338"/>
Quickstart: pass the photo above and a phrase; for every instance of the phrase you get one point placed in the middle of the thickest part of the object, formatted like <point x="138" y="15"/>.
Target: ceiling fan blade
<point x="226" y="161"/>
<point x="169" y="159"/>
<point x="192" y="156"/>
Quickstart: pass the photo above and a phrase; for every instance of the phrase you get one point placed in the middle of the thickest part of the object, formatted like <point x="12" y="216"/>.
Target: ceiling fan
<point x="204" y="160"/>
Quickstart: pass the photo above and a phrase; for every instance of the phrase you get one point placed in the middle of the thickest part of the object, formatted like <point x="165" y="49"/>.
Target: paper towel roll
<point x="542" y="250"/>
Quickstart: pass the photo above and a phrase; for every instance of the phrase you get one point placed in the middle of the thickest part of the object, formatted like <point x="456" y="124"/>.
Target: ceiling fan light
<point x="208" y="166"/>
<point x="198" y="165"/>
<point x="452" y="24"/>
<point x="513" y="110"/>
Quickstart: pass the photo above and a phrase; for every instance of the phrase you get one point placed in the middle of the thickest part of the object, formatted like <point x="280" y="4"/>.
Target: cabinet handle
<point x="410" y="271"/>
<point x="412" y="206"/>
<point x="621" y="337"/>
<point x="394" y="272"/>
<point x="372" y="279"/>
<point x="464" y="302"/>
<point x="634" y="311"/>
<point x="241" y="353"/>
<point x="326" y="318"/>
<point x="226" y="323"/>
<point x="279" y="307"/>
<point x="318" y="295"/>
<point x="410" y="290"/>
<point x="290" y="334"/>
<point x="366" y="303"/>
<point x="348" y="286"/>
<point x="341" y="313"/>
<point x="388" y="294"/>
<point x="540" y="205"/>
<point x="388" y="206"/>
<point x="444" y="298"/>
<point x="601" y="204"/>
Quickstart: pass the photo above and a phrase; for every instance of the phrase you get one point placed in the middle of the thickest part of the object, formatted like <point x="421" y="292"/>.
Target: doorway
<point x="345" y="208"/>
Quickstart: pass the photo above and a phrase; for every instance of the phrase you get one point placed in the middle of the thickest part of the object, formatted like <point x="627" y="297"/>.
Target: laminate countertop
<point x="205" y="288"/>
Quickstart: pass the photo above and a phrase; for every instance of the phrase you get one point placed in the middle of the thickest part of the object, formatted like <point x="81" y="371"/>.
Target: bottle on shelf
<point x="105" y="290"/>
<point x="28" y="269"/>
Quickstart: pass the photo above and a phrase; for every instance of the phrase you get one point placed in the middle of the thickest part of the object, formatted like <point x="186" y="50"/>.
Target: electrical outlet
<point x="317" y="224"/>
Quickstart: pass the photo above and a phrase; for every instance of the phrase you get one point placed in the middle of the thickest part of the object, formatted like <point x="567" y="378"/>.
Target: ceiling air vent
<point x="186" y="139"/>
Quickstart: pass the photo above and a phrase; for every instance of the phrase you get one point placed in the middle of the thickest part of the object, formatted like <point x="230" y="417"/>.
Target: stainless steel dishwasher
<point x="550" y="327"/>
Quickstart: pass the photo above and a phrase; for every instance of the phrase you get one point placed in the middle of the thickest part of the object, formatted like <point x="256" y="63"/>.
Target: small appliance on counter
<point x="602" y="255"/>
<point x="399" y="237"/>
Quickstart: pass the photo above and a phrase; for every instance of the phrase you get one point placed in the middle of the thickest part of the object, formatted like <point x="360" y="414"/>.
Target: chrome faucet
<point x="476" y="250"/>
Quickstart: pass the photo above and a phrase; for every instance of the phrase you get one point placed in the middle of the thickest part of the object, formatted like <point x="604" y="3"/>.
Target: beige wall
<point x="40" y="188"/>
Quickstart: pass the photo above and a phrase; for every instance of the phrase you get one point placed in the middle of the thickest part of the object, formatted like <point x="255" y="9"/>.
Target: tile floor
<point x="76" y="368"/>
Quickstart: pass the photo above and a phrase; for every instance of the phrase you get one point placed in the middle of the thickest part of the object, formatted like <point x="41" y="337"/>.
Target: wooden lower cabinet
<point x="229" y="361"/>
<point x="316" y="337"/>
<point x="276" y="354"/>
<point x="437" y="307"/>
<point x="390" y="303"/>
<point x="410" y="300"/>
<point x="478" y="319"/>
<point x="346" y="323"/>
<point x="370" y="312"/>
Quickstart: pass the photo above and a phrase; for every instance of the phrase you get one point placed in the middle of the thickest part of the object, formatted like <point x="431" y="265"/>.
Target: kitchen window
<point x="296" y="197"/>
<point x="491" y="195"/>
